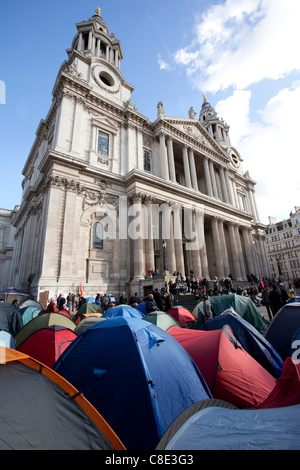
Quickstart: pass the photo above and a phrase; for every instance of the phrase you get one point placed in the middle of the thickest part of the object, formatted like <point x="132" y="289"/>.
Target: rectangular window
<point x="102" y="148"/>
<point x="147" y="161"/>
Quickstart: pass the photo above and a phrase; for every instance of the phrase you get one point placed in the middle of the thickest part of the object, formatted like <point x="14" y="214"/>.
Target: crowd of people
<point x="270" y="293"/>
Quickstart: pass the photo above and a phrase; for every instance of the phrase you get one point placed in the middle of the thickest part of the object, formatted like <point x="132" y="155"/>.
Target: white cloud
<point x="270" y="148"/>
<point x="239" y="43"/>
<point x="162" y="64"/>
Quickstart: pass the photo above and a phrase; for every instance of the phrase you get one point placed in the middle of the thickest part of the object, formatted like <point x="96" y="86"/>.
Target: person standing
<point x="265" y="300"/>
<point x="63" y="309"/>
<point x="275" y="300"/>
<point x="207" y="310"/>
<point x="52" y="308"/>
<point x="151" y="305"/>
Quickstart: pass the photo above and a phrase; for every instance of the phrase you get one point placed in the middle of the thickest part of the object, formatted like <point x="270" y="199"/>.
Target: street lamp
<point x="164" y="245"/>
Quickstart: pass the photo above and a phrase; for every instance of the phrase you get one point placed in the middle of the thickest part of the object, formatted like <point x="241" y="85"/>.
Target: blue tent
<point x="136" y="375"/>
<point x="123" y="311"/>
<point x="29" y="313"/>
<point x="291" y="300"/>
<point x="90" y="300"/>
<point x="217" y="428"/>
<point x="283" y="327"/>
<point x="142" y="308"/>
<point x="251" y="340"/>
<point x="7" y="340"/>
<point x="295" y="344"/>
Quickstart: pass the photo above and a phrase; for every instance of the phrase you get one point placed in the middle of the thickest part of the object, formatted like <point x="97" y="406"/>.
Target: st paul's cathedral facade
<point x="95" y="155"/>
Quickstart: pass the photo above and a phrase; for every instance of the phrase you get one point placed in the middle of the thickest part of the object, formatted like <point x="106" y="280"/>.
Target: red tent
<point x="287" y="388"/>
<point x="47" y="344"/>
<point x="181" y="315"/>
<point x="231" y="374"/>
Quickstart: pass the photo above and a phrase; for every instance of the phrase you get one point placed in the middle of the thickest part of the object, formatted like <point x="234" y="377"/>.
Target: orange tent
<point x="41" y="410"/>
<point x="231" y="374"/>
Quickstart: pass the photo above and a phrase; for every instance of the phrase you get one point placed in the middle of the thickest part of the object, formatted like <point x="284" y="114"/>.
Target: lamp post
<point x="164" y="246"/>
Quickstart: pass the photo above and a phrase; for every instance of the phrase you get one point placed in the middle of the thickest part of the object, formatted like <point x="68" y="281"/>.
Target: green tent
<point x="160" y="319"/>
<point x="89" y="308"/>
<point x="242" y="305"/>
<point x="42" y="321"/>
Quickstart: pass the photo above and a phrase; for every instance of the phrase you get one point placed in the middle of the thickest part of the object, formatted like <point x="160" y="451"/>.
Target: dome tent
<point x="251" y="340"/>
<point x="185" y="416"/>
<point x="243" y="306"/>
<point x="160" y="319"/>
<point x="10" y="318"/>
<point x="123" y="311"/>
<point x="43" y="321"/>
<point x="231" y="374"/>
<point x="49" y="414"/>
<point x="283" y="327"/>
<point x="182" y="316"/>
<point x="220" y="428"/>
<point x="47" y="344"/>
<point x="137" y="376"/>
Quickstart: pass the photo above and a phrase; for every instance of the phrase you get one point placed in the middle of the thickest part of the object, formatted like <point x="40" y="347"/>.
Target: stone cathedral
<point x="95" y="150"/>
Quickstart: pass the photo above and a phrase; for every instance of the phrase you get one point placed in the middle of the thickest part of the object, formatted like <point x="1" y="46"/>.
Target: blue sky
<point x="243" y="54"/>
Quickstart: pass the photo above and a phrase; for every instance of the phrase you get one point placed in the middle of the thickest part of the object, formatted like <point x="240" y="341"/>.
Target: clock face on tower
<point x="234" y="160"/>
<point x="106" y="78"/>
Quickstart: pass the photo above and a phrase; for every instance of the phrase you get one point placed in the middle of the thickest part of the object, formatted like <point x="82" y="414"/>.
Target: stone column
<point x="186" y="167"/>
<point x="234" y="251"/>
<point x="207" y="177"/>
<point x="61" y="125"/>
<point x="178" y="239"/>
<point x="213" y="179"/>
<point x="171" y="160"/>
<point x="240" y="253"/>
<point x="77" y="129"/>
<point x="217" y="248"/>
<point x="224" y="247"/>
<point x="223" y="184"/>
<point x="164" y="158"/>
<point x="171" y="248"/>
<point x="149" y="248"/>
<point x="138" y="245"/>
<point x="231" y="200"/>
<point x="202" y="244"/>
<point x="255" y="205"/>
<point x="248" y="250"/>
<point x="80" y="43"/>
<point x="261" y="248"/>
<point x="193" y="170"/>
<point x="195" y="252"/>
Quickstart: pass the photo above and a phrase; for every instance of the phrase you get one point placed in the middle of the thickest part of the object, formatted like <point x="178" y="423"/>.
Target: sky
<point x="243" y="54"/>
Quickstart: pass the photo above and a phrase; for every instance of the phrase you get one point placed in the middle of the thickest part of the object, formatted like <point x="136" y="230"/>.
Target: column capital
<point x="177" y="207"/>
<point x="149" y="199"/>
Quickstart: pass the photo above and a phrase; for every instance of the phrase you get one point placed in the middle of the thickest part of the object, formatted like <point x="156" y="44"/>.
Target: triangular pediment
<point x="105" y="123"/>
<point x="194" y="129"/>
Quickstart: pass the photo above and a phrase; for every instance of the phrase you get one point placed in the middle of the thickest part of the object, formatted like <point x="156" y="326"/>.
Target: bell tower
<point x="217" y="128"/>
<point x="93" y="41"/>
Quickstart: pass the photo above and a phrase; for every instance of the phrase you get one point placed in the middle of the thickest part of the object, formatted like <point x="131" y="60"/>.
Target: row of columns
<point x="244" y="258"/>
<point x="190" y="173"/>
<point x="112" y="54"/>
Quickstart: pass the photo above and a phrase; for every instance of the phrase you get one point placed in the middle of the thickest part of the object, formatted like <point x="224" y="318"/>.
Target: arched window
<point x="97" y="240"/>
